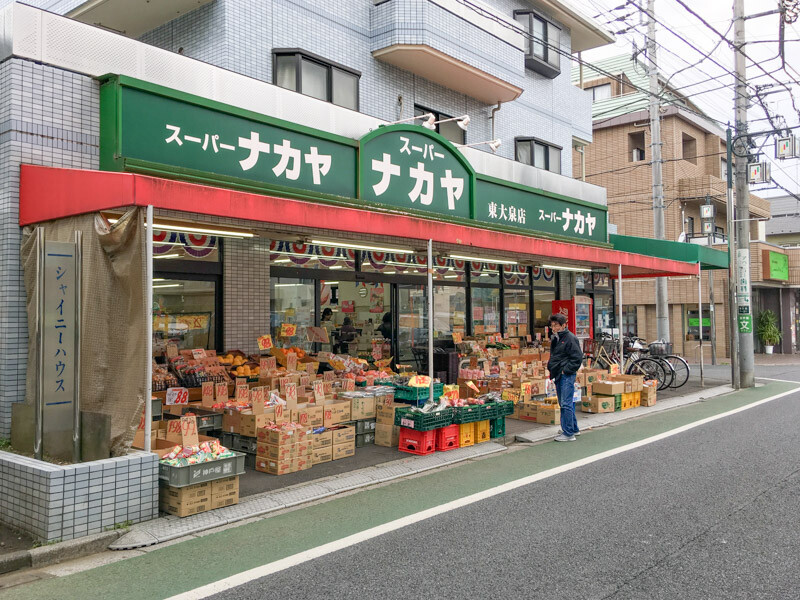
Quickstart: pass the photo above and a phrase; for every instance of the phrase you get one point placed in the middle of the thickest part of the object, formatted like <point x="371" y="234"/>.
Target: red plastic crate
<point x="447" y="438"/>
<point x="417" y="442"/>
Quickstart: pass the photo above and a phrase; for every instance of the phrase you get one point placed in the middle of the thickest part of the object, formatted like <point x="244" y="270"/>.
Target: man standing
<point x="566" y="357"/>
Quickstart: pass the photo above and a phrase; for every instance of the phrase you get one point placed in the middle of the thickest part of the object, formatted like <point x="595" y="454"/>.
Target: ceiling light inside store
<point x="362" y="246"/>
<point x="288" y="284"/>
<point x="282" y="260"/>
<point x="559" y="268"/>
<point x="159" y="279"/>
<point x="168" y="256"/>
<point x="166" y="286"/>
<point x="164" y="225"/>
<point x="331" y="282"/>
<point x="451" y="276"/>
<point x="336" y="267"/>
<point x="482" y="260"/>
<point x="391" y="272"/>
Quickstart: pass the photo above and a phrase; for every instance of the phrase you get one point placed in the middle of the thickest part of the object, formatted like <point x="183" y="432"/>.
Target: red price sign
<point x="221" y="391"/>
<point x="208" y="393"/>
<point x="241" y="380"/>
<point x="305" y="380"/>
<point x="349" y="385"/>
<point x="177" y="396"/>
<point x="328" y="376"/>
<point x="291" y="394"/>
<point x="370" y="381"/>
<point x="263" y="365"/>
<point x="311" y="368"/>
<point x="243" y="392"/>
<point x="291" y="361"/>
<point x="265" y="342"/>
<point x="288" y="329"/>
<point x="189" y="431"/>
<point x="319" y="391"/>
<point x="198" y="353"/>
<point x="282" y="383"/>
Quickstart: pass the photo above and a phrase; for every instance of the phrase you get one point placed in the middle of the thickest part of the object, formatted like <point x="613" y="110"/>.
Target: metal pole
<point x="76" y="412"/>
<point x="746" y="358"/>
<point x="38" y="434"/>
<point x="713" y="314"/>
<point x="619" y="286"/>
<point x="700" y="311"/>
<point x="659" y="230"/>
<point x="148" y="267"/>
<point x="732" y="309"/>
<point x="430" y="315"/>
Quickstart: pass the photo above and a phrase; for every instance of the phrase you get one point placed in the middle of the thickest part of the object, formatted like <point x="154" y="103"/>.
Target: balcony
<point x="132" y="17"/>
<point x="698" y="188"/>
<point x="468" y="48"/>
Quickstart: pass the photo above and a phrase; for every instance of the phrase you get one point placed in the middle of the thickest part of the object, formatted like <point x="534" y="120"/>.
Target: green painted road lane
<point x="187" y="565"/>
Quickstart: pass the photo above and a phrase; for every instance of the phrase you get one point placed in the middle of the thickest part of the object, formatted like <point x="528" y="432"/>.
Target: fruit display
<point x="181" y="456"/>
<point x="162" y="378"/>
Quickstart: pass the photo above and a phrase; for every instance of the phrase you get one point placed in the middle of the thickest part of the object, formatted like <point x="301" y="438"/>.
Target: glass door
<point x="412" y="326"/>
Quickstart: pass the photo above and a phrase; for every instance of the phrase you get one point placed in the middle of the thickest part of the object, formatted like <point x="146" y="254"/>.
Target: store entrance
<point x="412" y="326"/>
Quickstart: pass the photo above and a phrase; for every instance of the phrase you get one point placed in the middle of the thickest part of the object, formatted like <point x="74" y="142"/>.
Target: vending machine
<point x="578" y="311"/>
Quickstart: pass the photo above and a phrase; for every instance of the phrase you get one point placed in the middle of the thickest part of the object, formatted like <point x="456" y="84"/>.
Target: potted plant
<point x="767" y="330"/>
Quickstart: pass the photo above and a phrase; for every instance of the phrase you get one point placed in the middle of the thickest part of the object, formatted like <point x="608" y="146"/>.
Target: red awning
<point x="48" y="193"/>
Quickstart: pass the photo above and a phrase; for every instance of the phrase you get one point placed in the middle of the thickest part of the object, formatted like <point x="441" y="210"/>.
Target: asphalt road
<point x="708" y="513"/>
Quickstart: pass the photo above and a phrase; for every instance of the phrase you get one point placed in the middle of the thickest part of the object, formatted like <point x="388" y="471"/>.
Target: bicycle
<point x="604" y="353"/>
<point x="663" y="351"/>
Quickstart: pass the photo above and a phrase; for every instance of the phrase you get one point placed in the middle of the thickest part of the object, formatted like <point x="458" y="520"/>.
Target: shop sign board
<point x="744" y="316"/>
<point x="145" y="128"/>
<point x="410" y="167"/>
<point x="775" y="265"/>
<point x="510" y="205"/>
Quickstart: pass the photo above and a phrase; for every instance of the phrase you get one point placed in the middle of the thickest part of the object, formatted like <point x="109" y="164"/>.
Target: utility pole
<point x="662" y="304"/>
<point x="742" y="222"/>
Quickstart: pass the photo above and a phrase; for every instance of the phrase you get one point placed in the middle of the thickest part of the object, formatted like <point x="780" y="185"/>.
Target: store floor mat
<point x="170" y="527"/>
<point x="586" y="421"/>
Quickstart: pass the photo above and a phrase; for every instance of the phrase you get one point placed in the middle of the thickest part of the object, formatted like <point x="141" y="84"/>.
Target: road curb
<point x="51" y="554"/>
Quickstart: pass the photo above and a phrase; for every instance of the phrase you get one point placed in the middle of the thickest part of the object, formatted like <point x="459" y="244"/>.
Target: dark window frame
<point x="541" y="64"/>
<point x="532" y="141"/>
<point x="299" y="54"/>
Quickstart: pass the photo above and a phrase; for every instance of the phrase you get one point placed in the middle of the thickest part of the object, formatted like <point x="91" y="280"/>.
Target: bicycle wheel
<point x="682" y="370"/>
<point x="651" y="369"/>
<point x="668" y="369"/>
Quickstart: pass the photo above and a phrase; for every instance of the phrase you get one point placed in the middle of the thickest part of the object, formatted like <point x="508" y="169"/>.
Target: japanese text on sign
<point x="59" y="324"/>
<point x="177" y="396"/>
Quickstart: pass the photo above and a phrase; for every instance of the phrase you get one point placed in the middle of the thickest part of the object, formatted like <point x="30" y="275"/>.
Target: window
<point x="600" y="92"/>
<point x="689" y="147"/>
<point x="689" y="226"/>
<point x="542" y="44"/>
<point x="629" y="321"/>
<point x="291" y="300"/>
<point x="539" y="154"/>
<point x="693" y="326"/>
<point x="450" y="130"/>
<point x="636" y="146"/>
<point x="316" y="77"/>
<point x="723" y="169"/>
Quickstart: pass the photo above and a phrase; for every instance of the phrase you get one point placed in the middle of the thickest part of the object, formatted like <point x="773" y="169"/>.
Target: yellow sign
<point x="288" y="329"/>
<point x="265" y="342"/>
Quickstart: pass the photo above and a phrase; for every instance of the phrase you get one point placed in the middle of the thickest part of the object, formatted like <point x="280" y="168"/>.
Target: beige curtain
<point x="113" y="334"/>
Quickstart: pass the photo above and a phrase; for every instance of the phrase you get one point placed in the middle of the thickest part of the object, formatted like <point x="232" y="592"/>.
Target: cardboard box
<point x="322" y="455"/>
<point x="186" y="501"/>
<point x="335" y="412"/>
<point x="608" y="388"/>
<point x="304" y="448"/>
<point x="597" y="404"/>
<point x="280" y="438"/>
<point x="549" y="414"/>
<point x="249" y="424"/>
<point x="362" y="407"/>
<point x="223" y="501"/>
<point x="633" y="383"/>
<point x="527" y="411"/>
<point x="225" y="486"/>
<point x="305" y="462"/>
<point x="273" y="467"/>
<point x="649" y="400"/>
<point x="343" y="434"/>
<point x="344" y="450"/>
<point x="277" y="453"/>
<point x="308" y="414"/>
<point x="322" y="440"/>
<point x="593" y="375"/>
<point x="387" y="435"/>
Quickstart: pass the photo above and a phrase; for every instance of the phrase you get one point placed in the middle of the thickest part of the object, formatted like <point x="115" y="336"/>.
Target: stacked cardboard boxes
<point x="386" y="433"/>
<point x="282" y="451"/>
<point x="200" y="497"/>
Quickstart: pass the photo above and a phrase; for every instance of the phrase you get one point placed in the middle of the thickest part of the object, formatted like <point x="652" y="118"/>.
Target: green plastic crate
<point x="405" y="417"/>
<point x="473" y="413"/>
<point x="416" y="395"/>
<point x="504" y="408"/>
<point x="497" y="427"/>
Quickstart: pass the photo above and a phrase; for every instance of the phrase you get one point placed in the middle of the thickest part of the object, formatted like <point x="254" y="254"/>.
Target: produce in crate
<point x="182" y="456"/>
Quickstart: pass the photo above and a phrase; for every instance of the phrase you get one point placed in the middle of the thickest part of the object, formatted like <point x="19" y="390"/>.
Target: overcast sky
<point x="717" y="103"/>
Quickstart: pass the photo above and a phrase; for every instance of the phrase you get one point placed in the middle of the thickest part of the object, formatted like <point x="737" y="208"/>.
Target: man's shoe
<point x="560" y="431"/>
<point x="563" y="438"/>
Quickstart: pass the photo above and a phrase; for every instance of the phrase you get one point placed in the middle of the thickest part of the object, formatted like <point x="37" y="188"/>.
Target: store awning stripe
<point x="709" y="258"/>
<point x="48" y="193"/>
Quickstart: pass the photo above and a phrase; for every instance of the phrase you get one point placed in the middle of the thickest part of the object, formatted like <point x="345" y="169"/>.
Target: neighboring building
<point x="783" y="229"/>
<point x="694" y="173"/>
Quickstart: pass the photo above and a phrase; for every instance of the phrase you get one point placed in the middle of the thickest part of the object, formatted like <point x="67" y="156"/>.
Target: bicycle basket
<point x="661" y="348"/>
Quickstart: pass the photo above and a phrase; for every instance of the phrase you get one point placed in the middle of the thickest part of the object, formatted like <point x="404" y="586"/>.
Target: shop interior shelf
<point x="405" y="417"/>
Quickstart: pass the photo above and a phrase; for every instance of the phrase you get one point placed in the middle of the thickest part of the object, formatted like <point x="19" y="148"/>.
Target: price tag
<point x="291" y="361"/>
<point x="263" y="365"/>
<point x="305" y="380"/>
<point x="241" y="380"/>
<point x="328" y="376"/>
<point x="257" y="396"/>
<point x="208" y="393"/>
<point x="189" y="431"/>
<point x="272" y="363"/>
<point x="370" y="381"/>
<point x="221" y="391"/>
<point x="377" y="351"/>
<point x="278" y="412"/>
<point x="487" y="368"/>
<point x="458" y="337"/>
<point x="282" y="382"/>
<point x="528" y="337"/>
<point x="527" y="388"/>
<point x="198" y="353"/>
<point x="311" y="368"/>
<point x="172" y="350"/>
<point x="473" y="362"/>
<point x="471" y="385"/>
<point x="291" y="394"/>
<point x="264" y="342"/>
<point x="349" y="385"/>
<point x="319" y="391"/>
<point x="407" y="423"/>
<point x="327" y="387"/>
<point x="242" y="392"/>
<point x="177" y="396"/>
<point x="288" y="329"/>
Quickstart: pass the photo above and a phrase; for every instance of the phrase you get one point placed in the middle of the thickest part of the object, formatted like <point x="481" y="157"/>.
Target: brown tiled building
<point x="694" y="173"/>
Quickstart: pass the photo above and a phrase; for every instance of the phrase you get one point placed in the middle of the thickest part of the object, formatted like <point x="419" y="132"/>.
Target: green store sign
<point x="158" y="131"/>
<point x="778" y="266"/>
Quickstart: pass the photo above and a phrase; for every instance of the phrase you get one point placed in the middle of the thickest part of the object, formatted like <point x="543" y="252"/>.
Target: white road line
<point x="779" y="380"/>
<point x="351" y="540"/>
